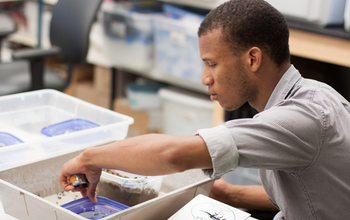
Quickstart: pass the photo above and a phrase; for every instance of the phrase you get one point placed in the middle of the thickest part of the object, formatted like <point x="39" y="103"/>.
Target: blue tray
<point x="7" y="139"/>
<point x="104" y="207"/>
<point x="66" y="127"/>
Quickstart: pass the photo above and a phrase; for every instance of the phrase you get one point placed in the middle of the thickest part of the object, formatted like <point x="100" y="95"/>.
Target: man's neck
<point x="268" y="81"/>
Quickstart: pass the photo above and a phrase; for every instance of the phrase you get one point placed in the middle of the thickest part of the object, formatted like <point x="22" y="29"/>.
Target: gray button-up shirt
<point x="300" y="143"/>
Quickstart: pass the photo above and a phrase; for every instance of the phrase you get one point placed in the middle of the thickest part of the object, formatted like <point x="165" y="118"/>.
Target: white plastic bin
<point x="318" y="12"/>
<point x="143" y="96"/>
<point x="36" y="118"/>
<point x="25" y="192"/>
<point x="347" y="16"/>
<point x="128" y="36"/>
<point x="176" y="47"/>
<point x="183" y="113"/>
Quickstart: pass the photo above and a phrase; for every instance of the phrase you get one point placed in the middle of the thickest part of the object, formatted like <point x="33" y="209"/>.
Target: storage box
<point x="127" y="188"/>
<point x="318" y="12"/>
<point x="128" y="35"/>
<point x="347" y="16"/>
<point x="143" y="96"/>
<point x="176" y="48"/>
<point x="25" y="115"/>
<point x="185" y="112"/>
<point x="24" y="189"/>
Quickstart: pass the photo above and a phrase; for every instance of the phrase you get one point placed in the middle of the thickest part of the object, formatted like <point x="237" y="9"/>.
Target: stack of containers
<point x="128" y="34"/>
<point x="318" y="12"/>
<point x="176" y="44"/>
<point x="47" y="123"/>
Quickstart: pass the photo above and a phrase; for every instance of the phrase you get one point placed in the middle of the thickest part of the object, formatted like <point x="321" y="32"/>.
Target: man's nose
<point x="206" y="77"/>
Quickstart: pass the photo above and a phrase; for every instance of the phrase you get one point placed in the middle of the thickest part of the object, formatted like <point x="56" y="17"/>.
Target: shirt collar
<point x="284" y="86"/>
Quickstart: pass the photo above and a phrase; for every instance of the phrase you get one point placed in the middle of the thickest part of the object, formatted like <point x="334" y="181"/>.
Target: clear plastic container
<point x="176" y="45"/>
<point x="24" y="116"/>
<point x="127" y="188"/>
<point x="143" y="96"/>
<point x="103" y="208"/>
<point x="128" y="34"/>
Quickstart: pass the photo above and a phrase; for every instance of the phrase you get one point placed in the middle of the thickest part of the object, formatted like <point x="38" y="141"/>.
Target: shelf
<point x="96" y="57"/>
<point x="320" y="47"/>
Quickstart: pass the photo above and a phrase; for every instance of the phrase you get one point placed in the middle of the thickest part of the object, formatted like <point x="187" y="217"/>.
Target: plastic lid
<point x="66" y="127"/>
<point x="90" y="210"/>
<point x="7" y="139"/>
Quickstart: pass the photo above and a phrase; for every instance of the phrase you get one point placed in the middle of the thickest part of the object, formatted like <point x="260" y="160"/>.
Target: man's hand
<point x="77" y="166"/>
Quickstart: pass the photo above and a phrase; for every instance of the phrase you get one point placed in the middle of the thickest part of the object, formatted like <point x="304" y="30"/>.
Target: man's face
<point x="224" y="73"/>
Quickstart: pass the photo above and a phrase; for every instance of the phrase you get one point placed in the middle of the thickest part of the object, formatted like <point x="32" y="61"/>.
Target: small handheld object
<point x="79" y="179"/>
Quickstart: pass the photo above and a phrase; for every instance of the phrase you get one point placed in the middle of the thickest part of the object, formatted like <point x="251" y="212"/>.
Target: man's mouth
<point x="213" y="96"/>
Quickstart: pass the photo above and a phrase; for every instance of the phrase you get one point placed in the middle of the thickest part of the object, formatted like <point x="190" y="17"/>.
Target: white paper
<point x="205" y="208"/>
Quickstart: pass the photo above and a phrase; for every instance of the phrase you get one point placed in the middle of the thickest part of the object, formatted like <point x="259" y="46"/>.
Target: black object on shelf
<point x="331" y="30"/>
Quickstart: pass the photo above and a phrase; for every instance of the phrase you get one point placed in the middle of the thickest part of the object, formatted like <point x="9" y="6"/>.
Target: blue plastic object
<point x="7" y="139"/>
<point x="66" y="127"/>
<point x="174" y="12"/>
<point x="104" y="207"/>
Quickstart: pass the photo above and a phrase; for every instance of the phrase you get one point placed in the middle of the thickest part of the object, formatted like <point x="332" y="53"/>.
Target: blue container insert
<point x="67" y="127"/>
<point x="7" y="139"/>
<point x="103" y="208"/>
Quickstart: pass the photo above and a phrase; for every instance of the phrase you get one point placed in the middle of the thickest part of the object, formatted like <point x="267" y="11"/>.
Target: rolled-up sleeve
<point x="222" y="149"/>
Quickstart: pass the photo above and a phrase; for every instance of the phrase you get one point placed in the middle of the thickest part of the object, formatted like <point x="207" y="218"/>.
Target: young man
<point x="298" y="139"/>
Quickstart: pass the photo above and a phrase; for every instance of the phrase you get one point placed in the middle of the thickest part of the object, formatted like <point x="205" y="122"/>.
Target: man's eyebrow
<point x="206" y="59"/>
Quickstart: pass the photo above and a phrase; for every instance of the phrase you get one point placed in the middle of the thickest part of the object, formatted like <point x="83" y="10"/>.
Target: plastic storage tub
<point x="176" y="46"/>
<point x="347" y="16"/>
<point x="143" y="96"/>
<point x="128" y="35"/>
<point x="24" y="191"/>
<point x="317" y="12"/>
<point x="127" y="188"/>
<point x="51" y="123"/>
<point x="185" y="112"/>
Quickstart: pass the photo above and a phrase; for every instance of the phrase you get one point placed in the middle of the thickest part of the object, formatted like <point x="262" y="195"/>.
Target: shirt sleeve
<point x="222" y="149"/>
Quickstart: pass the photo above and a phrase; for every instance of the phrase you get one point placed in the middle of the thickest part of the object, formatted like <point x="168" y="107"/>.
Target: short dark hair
<point x="248" y="23"/>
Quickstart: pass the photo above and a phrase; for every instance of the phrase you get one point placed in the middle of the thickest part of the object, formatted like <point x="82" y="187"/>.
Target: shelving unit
<point x="303" y="43"/>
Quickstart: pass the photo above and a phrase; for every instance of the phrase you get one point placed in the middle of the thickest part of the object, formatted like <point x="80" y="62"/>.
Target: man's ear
<point x="255" y="58"/>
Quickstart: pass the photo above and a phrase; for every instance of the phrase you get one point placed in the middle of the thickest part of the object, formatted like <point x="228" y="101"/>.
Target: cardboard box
<point x="102" y="79"/>
<point x="141" y="118"/>
<point x="86" y="91"/>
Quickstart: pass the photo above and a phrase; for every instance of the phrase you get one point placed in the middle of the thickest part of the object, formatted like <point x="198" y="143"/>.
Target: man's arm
<point x="248" y="197"/>
<point x="152" y="154"/>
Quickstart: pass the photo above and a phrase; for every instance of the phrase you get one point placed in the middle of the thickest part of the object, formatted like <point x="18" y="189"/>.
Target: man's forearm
<point x="153" y="154"/>
<point x="247" y="197"/>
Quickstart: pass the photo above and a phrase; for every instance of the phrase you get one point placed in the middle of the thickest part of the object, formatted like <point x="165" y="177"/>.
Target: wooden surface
<point x="320" y="47"/>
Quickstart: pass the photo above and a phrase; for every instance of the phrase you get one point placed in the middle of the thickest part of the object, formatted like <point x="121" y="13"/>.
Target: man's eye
<point x="211" y="65"/>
